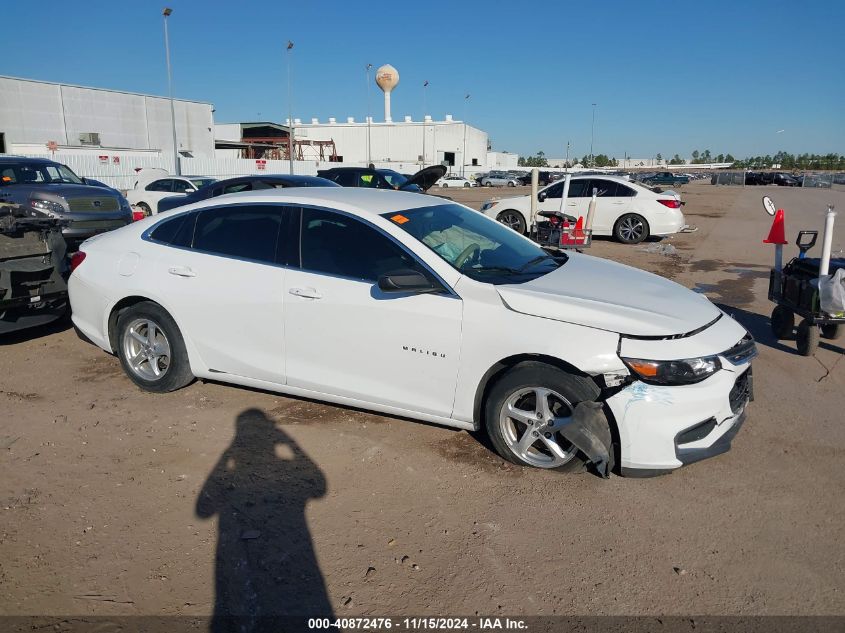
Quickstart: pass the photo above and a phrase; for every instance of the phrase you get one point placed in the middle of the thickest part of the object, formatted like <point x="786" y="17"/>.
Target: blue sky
<point x="667" y="76"/>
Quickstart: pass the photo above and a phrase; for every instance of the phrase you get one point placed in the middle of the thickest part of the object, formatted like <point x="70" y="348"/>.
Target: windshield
<point x="394" y="178"/>
<point x="476" y="245"/>
<point x="45" y="173"/>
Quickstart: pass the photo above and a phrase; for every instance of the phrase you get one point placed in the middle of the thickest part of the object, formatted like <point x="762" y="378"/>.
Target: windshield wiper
<point x="536" y="260"/>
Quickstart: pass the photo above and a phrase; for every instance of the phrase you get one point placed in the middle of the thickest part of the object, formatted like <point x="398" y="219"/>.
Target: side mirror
<point x="541" y="196"/>
<point x="407" y="281"/>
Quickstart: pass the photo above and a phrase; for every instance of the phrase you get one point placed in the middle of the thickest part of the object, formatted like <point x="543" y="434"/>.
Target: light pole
<point x="176" y="166"/>
<point x="369" y="137"/>
<point x="290" y="109"/>
<point x="425" y="107"/>
<point x="592" y="133"/>
<point x="464" y="155"/>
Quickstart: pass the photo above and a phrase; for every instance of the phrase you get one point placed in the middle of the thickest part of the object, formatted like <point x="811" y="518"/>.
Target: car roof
<point x="360" y="201"/>
<point x="287" y="178"/>
<point x="26" y="159"/>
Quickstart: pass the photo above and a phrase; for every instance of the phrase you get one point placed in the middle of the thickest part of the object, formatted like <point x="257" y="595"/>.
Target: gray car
<point x="494" y="179"/>
<point x="53" y="188"/>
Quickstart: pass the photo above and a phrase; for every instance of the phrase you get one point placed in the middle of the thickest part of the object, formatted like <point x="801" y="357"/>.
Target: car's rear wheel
<point x="445" y="185"/>
<point x="512" y="219"/>
<point x="488" y="184"/>
<point x="466" y="184"/>
<point x="525" y="409"/>
<point x="631" y="229"/>
<point x="151" y="349"/>
<point x="510" y="184"/>
<point x="145" y="208"/>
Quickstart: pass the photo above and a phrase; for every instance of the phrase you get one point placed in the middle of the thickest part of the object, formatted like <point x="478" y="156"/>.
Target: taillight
<point x="672" y="203"/>
<point x="138" y="215"/>
<point x="75" y="259"/>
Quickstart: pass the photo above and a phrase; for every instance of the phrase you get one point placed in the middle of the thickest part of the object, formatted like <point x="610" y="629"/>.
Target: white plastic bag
<point x="832" y="293"/>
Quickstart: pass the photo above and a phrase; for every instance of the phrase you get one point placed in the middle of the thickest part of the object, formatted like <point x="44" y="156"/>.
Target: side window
<point x="624" y="192"/>
<point x="340" y="245"/>
<point x="7" y="176"/>
<point x="578" y="188"/>
<point x="217" y="191"/>
<point x="366" y="179"/>
<point x="160" y="185"/>
<point x="178" y="231"/>
<point x="347" y="178"/>
<point x="182" y="186"/>
<point x="604" y="188"/>
<point x="555" y="191"/>
<point x="247" y="231"/>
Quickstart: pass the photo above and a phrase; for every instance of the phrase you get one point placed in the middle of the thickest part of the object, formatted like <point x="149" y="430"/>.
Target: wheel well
<point x="524" y="219"/>
<point x="506" y="364"/>
<point x="496" y="371"/>
<point x="120" y="307"/>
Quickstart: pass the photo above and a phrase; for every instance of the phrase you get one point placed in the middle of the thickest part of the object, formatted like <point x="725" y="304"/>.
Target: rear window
<point x="177" y="231"/>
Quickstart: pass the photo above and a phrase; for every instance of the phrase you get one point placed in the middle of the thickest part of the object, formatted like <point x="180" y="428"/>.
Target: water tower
<point x="387" y="78"/>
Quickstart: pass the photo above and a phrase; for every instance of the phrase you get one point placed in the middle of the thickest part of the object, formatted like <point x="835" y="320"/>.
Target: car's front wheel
<point x="151" y="349"/>
<point x="512" y="219"/>
<point x="631" y="229"/>
<point x="445" y="185"/>
<point x="466" y="184"/>
<point x="488" y="184"/>
<point x="525" y="410"/>
<point x="145" y="208"/>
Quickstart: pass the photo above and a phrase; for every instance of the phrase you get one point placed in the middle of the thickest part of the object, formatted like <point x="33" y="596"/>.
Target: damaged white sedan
<point x="409" y="305"/>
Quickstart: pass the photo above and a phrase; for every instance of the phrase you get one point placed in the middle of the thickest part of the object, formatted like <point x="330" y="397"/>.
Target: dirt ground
<point x="115" y="501"/>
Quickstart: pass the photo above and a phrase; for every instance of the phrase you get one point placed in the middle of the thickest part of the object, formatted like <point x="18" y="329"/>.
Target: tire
<point x="445" y="185"/>
<point x="783" y="322"/>
<point x="631" y="228"/>
<point x="512" y="219"/>
<point x="807" y="337"/>
<point x="145" y="208"/>
<point x="466" y="185"/>
<point x="488" y="184"/>
<point x="519" y="388"/>
<point x="510" y="184"/>
<point x="167" y="371"/>
<point x="832" y="331"/>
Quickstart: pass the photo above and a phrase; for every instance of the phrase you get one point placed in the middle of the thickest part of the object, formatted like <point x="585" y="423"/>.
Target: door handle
<point x="306" y="293"/>
<point x="181" y="271"/>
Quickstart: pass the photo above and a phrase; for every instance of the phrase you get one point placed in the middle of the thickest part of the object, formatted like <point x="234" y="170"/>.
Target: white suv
<point x="414" y="306"/>
<point x="625" y="210"/>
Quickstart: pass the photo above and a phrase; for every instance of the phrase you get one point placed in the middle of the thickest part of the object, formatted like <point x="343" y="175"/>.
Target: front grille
<point x="741" y="392"/>
<point x="93" y="205"/>
<point x="97" y="225"/>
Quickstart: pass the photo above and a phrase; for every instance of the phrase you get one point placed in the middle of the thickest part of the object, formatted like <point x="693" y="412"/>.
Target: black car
<point x="544" y="178"/>
<point x="776" y="178"/>
<point x="384" y="178"/>
<point x="53" y="188"/>
<point x="243" y="183"/>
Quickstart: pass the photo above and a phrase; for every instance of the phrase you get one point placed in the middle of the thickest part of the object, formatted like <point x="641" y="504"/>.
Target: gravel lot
<point x="101" y="509"/>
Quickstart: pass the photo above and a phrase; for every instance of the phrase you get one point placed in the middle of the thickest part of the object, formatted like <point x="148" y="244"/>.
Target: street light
<point x="464" y="155"/>
<point x="592" y="133"/>
<point x="176" y="166"/>
<point x="290" y="110"/>
<point x="425" y="107"/>
<point x="369" y="138"/>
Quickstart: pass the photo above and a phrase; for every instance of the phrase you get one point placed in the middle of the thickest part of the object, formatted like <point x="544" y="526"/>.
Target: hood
<point x="603" y="294"/>
<point x="425" y="178"/>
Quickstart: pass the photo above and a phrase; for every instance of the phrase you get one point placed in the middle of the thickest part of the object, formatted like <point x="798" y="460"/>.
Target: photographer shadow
<point x="266" y="568"/>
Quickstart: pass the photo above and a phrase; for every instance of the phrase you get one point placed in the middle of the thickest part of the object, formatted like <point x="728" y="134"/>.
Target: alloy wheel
<point x="146" y="349"/>
<point x="530" y="422"/>
<point x="631" y="229"/>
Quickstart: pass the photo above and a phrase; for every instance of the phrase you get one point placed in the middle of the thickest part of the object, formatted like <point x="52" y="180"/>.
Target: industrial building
<point x="35" y="113"/>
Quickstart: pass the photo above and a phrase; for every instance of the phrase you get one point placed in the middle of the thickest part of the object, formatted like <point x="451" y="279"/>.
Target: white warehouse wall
<point x="36" y="112"/>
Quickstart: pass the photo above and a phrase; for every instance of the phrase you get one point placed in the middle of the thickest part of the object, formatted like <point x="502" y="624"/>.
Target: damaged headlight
<point x="673" y="372"/>
<point x="47" y="205"/>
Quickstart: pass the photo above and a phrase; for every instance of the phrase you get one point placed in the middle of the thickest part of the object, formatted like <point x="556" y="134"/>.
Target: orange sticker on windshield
<point x="399" y="219"/>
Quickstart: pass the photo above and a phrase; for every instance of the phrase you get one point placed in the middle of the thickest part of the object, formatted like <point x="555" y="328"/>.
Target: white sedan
<point x="455" y="181"/>
<point x="625" y="210"/>
<point x="147" y="193"/>
<point x="418" y="307"/>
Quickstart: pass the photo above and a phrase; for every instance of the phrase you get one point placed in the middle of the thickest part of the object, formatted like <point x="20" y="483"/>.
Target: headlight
<point x="486" y="206"/>
<point x="673" y="372"/>
<point x="47" y="205"/>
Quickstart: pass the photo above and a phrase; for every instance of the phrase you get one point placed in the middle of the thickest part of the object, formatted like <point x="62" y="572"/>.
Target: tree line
<point x="783" y="160"/>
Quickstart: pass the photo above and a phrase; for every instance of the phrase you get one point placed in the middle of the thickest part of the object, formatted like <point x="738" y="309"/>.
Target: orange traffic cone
<point x="777" y="234"/>
<point x="579" y="230"/>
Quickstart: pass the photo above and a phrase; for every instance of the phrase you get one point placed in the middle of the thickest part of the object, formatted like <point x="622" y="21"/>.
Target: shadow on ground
<point x="265" y="566"/>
